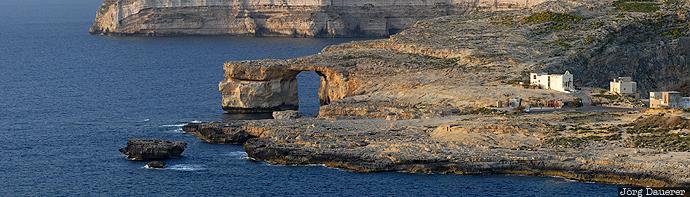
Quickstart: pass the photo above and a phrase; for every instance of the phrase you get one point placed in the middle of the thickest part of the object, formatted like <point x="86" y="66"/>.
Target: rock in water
<point x="218" y="133"/>
<point x="155" y="164"/>
<point x="289" y="114"/>
<point x="143" y="150"/>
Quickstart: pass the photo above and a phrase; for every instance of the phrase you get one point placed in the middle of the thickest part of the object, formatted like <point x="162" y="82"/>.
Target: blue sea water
<point x="69" y="100"/>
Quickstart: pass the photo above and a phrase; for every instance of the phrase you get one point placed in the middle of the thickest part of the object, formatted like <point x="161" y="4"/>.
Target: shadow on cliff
<point x="649" y="52"/>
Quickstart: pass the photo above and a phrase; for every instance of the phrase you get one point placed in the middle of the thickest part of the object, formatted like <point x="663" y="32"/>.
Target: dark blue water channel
<point x="69" y="100"/>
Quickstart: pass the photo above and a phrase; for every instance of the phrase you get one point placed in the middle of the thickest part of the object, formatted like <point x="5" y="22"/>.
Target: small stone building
<point x="624" y="86"/>
<point x="562" y="83"/>
<point x="669" y="99"/>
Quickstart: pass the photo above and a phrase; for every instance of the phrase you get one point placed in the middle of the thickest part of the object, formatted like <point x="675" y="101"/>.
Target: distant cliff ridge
<point x="300" y="18"/>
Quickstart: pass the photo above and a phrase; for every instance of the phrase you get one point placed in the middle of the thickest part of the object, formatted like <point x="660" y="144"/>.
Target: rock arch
<point x="271" y="85"/>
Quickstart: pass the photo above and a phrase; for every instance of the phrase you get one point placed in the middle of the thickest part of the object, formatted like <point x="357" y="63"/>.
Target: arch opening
<point x="308" y="87"/>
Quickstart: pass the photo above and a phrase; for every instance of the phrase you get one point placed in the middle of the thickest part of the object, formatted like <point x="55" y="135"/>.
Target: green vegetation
<point x="667" y="142"/>
<point x="557" y="21"/>
<point x="580" y="141"/>
<point x="597" y="24"/>
<point x="487" y="111"/>
<point x="667" y="26"/>
<point x="562" y="43"/>
<point x="673" y="4"/>
<point x="656" y="132"/>
<point x="607" y="96"/>
<point x="451" y="61"/>
<point x="484" y="110"/>
<point x="548" y="16"/>
<point x="639" y="130"/>
<point x="579" y="128"/>
<point x="589" y="39"/>
<point x="674" y="33"/>
<point x="504" y="20"/>
<point x="644" y="6"/>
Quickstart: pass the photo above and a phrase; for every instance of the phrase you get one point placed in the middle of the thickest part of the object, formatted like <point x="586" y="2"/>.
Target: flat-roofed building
<point x="668" y="99"/>
<point x="562" y="83"/>
<point x="624" y="86"/>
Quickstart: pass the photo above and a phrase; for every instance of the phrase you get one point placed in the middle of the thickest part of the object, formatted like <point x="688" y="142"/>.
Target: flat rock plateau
<point x="601" y="147"/>
<point x="420" y="101"/>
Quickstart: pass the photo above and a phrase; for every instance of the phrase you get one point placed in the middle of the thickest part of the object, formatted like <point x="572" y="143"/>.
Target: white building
<point x="563" y="83"/>
<point x="623" y="86"/>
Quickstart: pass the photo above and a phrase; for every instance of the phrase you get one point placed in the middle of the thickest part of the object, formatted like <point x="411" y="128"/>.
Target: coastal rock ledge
<point x="470" y="144"/>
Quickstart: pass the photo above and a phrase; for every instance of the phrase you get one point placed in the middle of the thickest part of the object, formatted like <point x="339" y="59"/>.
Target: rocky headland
<point x="458" y="64"/>
<point x="422" y="100"/>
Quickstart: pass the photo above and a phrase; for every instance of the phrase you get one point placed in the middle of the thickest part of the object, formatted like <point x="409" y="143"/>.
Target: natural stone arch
<point x="333" y="87"/>
<point x="266" y="86"/>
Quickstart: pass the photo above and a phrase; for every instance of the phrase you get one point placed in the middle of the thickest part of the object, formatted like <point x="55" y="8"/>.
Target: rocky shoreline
<point x="425" y="100"/>
<point x="431" y="146"/>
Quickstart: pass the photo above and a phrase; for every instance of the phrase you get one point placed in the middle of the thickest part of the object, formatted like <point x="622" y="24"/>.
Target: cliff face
<point x="308" y="18"/>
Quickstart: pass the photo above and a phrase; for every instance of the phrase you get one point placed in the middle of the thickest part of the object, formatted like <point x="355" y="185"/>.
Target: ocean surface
<point x="69" y="100"/>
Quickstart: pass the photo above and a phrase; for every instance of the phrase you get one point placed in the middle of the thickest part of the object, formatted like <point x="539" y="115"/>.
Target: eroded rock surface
<point x="285" y="18"/>
<point x="289" y="114"/>
<point x="143" y="150"/>
<point x="591" y="146"/>
<point x="418" y="101"/>
<point x="457" y="64"/>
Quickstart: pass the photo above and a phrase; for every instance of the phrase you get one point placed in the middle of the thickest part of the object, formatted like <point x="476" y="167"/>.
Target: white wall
<point x="623" y="87"/>
<point x="563" y="83"/>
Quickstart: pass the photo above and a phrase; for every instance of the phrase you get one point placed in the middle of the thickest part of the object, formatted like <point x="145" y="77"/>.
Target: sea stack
<point x="146" y="150"/>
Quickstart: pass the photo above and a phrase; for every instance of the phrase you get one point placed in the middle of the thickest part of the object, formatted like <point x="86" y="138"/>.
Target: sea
<point x="69" y="100"/>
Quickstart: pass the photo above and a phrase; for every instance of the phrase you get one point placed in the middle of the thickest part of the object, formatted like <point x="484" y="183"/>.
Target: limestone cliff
<point x="308" y="18"/>
<point x="452" y="64"/>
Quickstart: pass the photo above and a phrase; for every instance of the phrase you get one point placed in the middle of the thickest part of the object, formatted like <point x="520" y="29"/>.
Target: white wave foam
<point x="173" y="125"/>
<point x="148" y="167"/>
<point x="178" y="130"/>
<point x="238" y="154"/>
<point x="187" y="167"/>
<point x="195" y="121"/>
<point x="300" y="165"/>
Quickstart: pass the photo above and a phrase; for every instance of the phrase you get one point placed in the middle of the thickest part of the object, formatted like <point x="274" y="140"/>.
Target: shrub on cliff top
<point x="645" y="6"/>
<point x="548" y="16"/>
<point x="557" y="21"/>
<point x="574" y="142"/>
